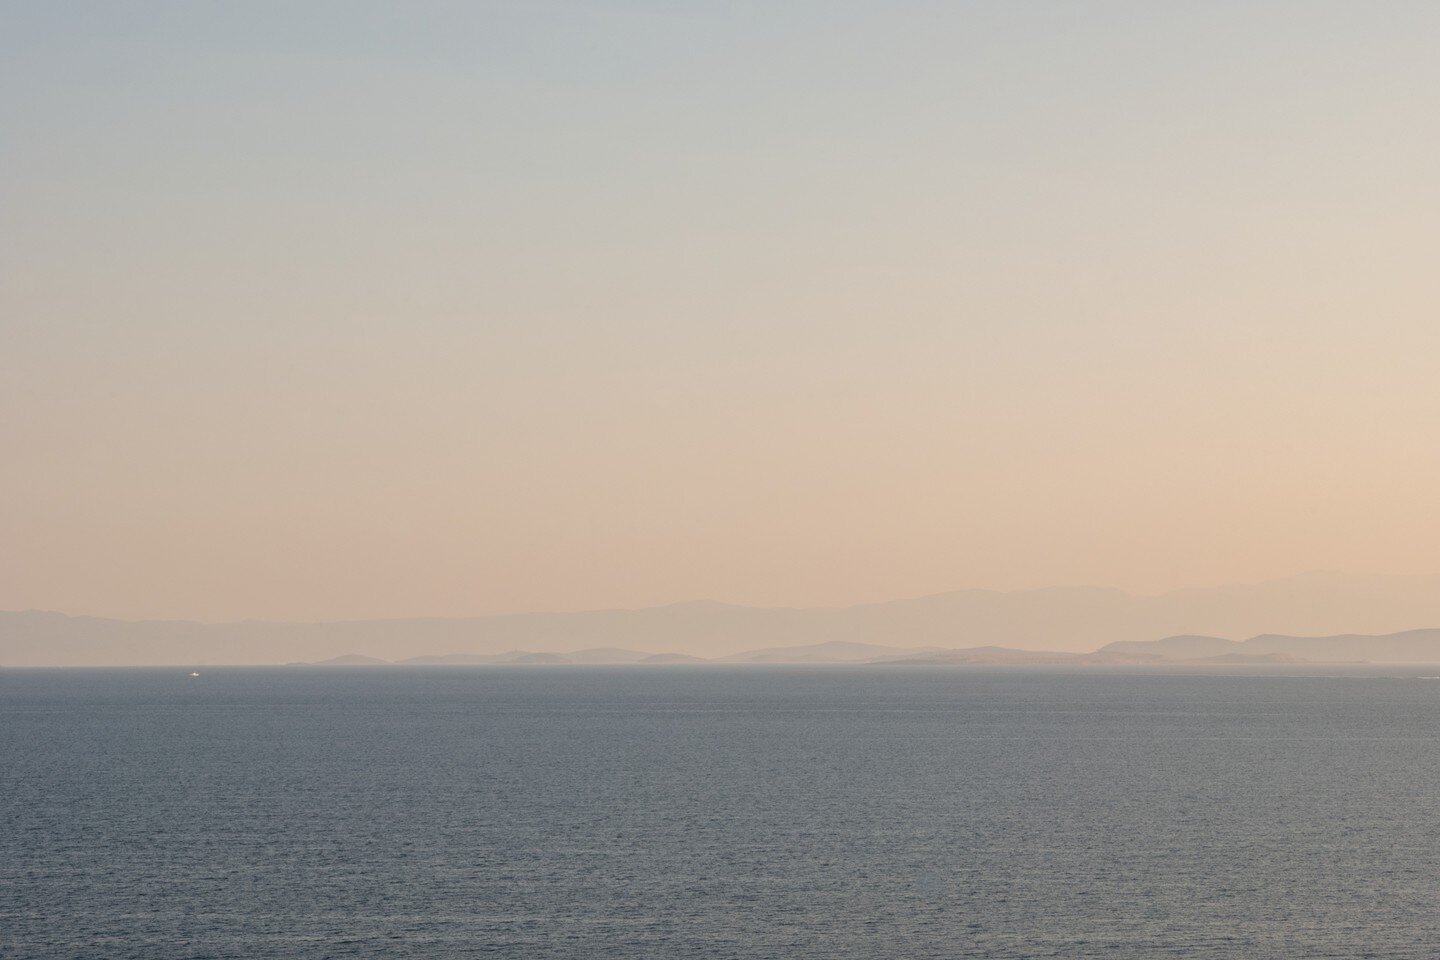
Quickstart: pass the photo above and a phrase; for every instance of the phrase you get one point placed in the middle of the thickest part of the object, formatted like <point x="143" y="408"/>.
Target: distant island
<point x="1413" y="646"/>
<point x="1289" y="620"/>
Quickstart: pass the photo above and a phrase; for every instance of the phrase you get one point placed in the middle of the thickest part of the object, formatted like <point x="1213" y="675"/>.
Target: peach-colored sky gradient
<point x="342" y="310"/>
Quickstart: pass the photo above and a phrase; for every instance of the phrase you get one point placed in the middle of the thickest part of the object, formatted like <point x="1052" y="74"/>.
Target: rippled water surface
<point x="711" y="812"/>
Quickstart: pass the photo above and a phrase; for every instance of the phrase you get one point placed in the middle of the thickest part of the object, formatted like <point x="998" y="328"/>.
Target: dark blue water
<point x="717" y="813"/>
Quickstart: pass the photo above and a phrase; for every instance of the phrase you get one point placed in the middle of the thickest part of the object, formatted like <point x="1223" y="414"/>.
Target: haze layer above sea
<point x="1065" y="619"/>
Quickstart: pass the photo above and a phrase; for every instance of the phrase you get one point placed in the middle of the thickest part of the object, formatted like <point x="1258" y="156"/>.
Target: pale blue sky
<point x="347" y="309"/>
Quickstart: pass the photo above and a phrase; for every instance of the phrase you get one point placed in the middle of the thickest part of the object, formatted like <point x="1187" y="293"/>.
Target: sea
<point x="615" y="813"/>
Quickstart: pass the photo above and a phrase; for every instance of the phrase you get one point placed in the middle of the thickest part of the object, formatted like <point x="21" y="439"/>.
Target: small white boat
<point x="194" y="673"/>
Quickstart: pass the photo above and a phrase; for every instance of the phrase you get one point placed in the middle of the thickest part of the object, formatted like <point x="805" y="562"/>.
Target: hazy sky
<point x="349" y="309"/>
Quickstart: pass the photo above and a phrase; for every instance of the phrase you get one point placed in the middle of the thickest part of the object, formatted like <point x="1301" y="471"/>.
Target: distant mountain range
<point x="1295" y="617"/>
<point x="1412" y="646"/>
<point x="1409" y="646"/>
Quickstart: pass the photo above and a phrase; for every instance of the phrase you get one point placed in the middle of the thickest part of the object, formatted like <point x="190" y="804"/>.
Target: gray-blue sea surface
<point x="713" y="812"/>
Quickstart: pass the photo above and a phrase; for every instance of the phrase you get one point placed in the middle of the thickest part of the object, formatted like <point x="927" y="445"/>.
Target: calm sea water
<point x="717" y="813"/>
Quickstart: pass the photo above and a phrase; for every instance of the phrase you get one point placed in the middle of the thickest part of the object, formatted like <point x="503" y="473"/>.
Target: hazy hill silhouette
<point x="1068" y="619"/>
<point x="1409" y="646"/>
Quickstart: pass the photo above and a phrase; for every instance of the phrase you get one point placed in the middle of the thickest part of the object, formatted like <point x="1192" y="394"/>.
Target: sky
<point x="331" y="310"/>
